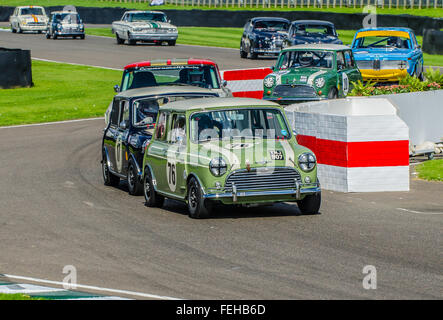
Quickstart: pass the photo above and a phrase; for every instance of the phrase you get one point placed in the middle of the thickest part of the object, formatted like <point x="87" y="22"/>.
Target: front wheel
<point x="12" y="29"/>
<point x="333" y="94"/>
<point x="48" y="35"/>
<point x="310" y="204"/>
<point x="243" y="53"/>
<point x="197" y="206"/>
<point x="171" y="43"/>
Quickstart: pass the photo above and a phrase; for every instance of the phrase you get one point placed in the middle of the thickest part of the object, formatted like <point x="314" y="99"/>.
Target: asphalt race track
<point x="55" y="211"/>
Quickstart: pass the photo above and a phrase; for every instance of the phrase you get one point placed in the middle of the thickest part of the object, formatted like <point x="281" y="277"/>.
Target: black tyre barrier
<point x="224" y="18"/>
<point x="433" y="41"/>
<point x="15" y="66"/>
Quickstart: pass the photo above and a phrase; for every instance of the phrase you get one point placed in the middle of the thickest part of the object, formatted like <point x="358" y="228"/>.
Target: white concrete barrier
<point x="246" y="83"/>
<point x="361" y="144"/>
<point x="422" y="112"/>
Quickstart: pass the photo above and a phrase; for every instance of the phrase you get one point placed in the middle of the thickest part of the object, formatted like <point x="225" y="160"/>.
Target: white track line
<point x="50" y="123"/>
<point x="76" y="64"/>
<point x="419" y="212"/>
<point x="80" y="286"/>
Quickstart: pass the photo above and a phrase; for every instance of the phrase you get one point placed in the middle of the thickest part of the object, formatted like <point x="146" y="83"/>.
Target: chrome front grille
<point x="294" y="91"/>
<point x="382" y="64"/>
<point x="261" y="179"/>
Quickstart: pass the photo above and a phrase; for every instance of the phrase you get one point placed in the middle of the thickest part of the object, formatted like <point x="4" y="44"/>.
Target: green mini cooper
<point x="229" y="150"/>
<point x="311" y="72"/>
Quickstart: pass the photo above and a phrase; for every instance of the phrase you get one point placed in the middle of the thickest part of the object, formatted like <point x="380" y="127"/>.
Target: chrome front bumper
<point x="153" y="36"/>
<point x="299" y="190"/>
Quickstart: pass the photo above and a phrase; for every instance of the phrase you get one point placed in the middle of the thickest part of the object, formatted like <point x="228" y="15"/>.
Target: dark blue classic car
<point x="311" y="31"/>
<point x="65" y="24"/>
<point x="263" y="36"/>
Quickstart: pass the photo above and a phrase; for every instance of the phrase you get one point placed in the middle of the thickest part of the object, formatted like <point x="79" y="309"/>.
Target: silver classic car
<point x="28" y="18"/>
<point x="145" y="26"/>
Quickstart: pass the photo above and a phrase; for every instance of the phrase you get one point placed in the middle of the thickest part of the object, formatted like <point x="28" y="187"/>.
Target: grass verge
<point x="230" y="38"/>
<point x="17" y="296"/>
<point x="431" y="12"/>
<point x="60" y="92"/>
<point x="431" y="170"/>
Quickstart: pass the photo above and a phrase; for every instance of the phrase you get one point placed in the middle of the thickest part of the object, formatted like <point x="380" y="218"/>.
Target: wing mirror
<point x="117" y="88"/>
<point x="224" y="83"/>
<point x="124" y="124"/>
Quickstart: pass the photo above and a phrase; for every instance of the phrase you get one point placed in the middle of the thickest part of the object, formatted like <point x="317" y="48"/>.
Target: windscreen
<point x="70" y="18"/>
<point x="313" y="30"/>
<point x="147" y="16"/>
<point x="383" y="42"/>
<point x="306" y="59"/>
<point x="245" y="123"/>
<point x="34" y="11"/>
<point x="204" y="76"/>
<point x="271" y="26"/>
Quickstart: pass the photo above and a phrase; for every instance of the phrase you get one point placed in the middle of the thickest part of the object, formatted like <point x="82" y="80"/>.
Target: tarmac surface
<point x="55" y="211"/>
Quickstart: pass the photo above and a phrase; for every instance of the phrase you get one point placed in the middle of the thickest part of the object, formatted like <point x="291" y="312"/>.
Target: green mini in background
<point x="236" y="151"/>
<point x="310" y="72"/>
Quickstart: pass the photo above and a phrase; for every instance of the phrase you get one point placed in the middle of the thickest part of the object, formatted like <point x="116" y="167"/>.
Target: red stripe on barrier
<point x="247" y="74"/>
<point x="357" y="154"/>
<point x="248" y="94"/>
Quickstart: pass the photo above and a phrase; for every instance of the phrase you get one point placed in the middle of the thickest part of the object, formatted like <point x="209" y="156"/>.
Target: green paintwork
<point x="192" y="159"/>
<point x="334" y="77"/>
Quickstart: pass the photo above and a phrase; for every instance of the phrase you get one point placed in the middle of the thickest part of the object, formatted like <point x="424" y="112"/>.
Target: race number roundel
<point x="345" y="84"/>
<point x="171" y="174"/>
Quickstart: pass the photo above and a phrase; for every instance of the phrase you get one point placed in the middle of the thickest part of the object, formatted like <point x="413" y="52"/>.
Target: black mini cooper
<point x="131" y="124"/>
<point x="263" y="36"/>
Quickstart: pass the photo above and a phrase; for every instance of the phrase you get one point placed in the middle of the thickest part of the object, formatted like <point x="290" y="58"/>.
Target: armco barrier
<point x="433" y="41"/>
<point x="361" y="144"/>
<point x="246" y="82"/>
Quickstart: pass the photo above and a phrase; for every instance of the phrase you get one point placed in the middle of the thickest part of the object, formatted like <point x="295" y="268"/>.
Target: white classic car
<point x="28" y="18"/>
<point x="146" y="26"/>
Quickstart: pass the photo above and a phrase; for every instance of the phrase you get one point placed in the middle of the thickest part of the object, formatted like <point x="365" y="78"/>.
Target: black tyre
<point x="19" y="30"/>
<point x="48" y="35"/>
<point x="171" y="43"/>
<point x="333" y="94"/>
<point x="108" y="178"/>
<point x="131" y="42"/>
<point x="82" y="37"/>
<point x="54" y="36"/>
<point x="310" y="204"/>
<point x="12" y="29"/>
<point x="243" y="54"/>
<point x="153" y="199"/>
<point x="197" y="206"/>
<point x="119" y="40"/>
<point x="135" y="188"/>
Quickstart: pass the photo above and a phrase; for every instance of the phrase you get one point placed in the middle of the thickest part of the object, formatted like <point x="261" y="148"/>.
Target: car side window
<point x="160" y="128"/>
<point x="124" y="121"/>
<point x="340" y="61"/>
<point x="178" y="129"/>
<point x="115" y="113"/>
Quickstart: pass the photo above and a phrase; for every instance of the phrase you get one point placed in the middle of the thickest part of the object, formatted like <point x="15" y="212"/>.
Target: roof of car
<point x="60" y="12"/>
<point x="386" y="29"/>
<point x="318" y="46"/>
<point x="30" y="6"/>
<point x="169" y="62"/>
<point x="162" y="90"/>
<point x="269" y="19"/>
<point x="141" y="11"/>
<point x="319" y="22"/>
<point x="209" y="103"/>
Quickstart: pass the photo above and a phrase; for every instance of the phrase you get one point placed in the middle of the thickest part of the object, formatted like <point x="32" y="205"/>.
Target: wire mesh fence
<point x="396" y="4"/>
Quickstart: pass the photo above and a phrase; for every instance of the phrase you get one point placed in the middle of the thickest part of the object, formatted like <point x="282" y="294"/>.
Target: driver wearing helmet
<point x="306" y="59"/>
<point x="196" y="78"/>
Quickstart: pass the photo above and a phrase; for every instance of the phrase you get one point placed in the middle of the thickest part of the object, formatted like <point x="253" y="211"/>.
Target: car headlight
<point x="218" y="166"/>
<point x="307" y="161"/>
<point x="319" y="82"/>
<point x="136" y="29"/>
<point x="269" y="82"/>
<point x="172" y="30"/>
